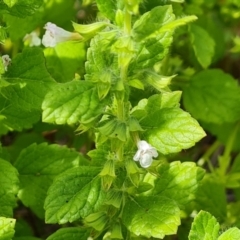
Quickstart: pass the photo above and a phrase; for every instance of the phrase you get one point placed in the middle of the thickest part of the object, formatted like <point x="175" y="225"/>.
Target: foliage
<point x="127" y="127"/>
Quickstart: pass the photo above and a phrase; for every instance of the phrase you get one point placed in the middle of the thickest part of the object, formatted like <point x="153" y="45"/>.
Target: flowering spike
<point x="55" y="35"/>
<point x="145" y="153"/>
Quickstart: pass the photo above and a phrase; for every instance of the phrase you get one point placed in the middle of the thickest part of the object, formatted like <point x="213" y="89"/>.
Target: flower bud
<point x="32" y="39"/>
<point x="89" y="30"/>
<point x="55" y="35"/>
<point x="6" y="61"/>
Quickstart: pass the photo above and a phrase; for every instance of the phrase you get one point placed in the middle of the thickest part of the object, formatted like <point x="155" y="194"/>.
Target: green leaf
<point x="64" y="60"/>
<point x="171" y="129"/>
<point x="203" y="45"/>
<point x="236" y="165"/>
<point x="178" y="181"/>
<point x="213" y="24"/>
<point x="163" y="100"/>
<point x="28" y="82"/>
<point x="204" y="227"/>
<point x="28" y="24"/>
<point x="72" y="102"/>
<point x="205" y="99"/>
<point x="10" y="3"/>
<point x="233" y="211"/>
<point x="74" y="233"/>
<point x="38" y="165"/>
<point x="22" y="228"/>
<point x="176" y="23"/>
<point x="156" y="102"/>
<point x="15" y="118"/>
<point x="21" y="8"/>
<point x="151" y="216"/>
<point x="153" y="50"/>
<point x="26" y="238"/>
<point x="107" y="8"/>
<point x="29" y="78"/>
<point x="6" y="228"/>
<point x="74" y="194"/>
<point x="152" y="21"/>
<point x="211" y="197"/>
<point x="230" y="234"/>
<point x="9" y="183"/>
<point x="223" y="133"/>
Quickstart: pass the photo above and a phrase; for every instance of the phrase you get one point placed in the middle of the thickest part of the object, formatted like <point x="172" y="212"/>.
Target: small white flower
<point x="145" y="153"/>
<point x="6" y="61"/>
<point x="55" y="35"/>
<point x="33" y="39"/>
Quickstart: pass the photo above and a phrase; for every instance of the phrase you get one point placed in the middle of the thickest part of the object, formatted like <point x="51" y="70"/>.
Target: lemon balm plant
<point x="112" y="81"/>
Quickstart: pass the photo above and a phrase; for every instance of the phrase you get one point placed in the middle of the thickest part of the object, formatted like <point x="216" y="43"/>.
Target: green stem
<point x="127" y="22"/>
<point x="226" y="158"/>
<point x="123" y="77"/>
<point x="230" y="141"/>
<point x="206" y="157"/>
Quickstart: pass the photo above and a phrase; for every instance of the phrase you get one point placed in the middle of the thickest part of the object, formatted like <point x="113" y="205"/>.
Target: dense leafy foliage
<point x="119" y="119"/>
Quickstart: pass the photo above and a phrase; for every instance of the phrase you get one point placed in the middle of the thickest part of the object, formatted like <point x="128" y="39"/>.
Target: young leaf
<point x="206" y="100"/>
<point x="72" y="102"/>
<point x="171" y="129"/>
<point x="203" y="45"/>
<point x="6" y="228"/>
<point x="73" y="233"/>
<point x="230" y="234"/>
<point x="151" y="216"/>
<point x="30" y="80"/>
<point x="9" y="183"/>
<point x="153" y="50"/>
<point x="38" y="165"/>
<point x="176" y="23"/>
<point x="152" y="21"/>
<point x="107" y="8"/>
<point x="178" y="181"/>
<point x="73" y="194"/>
<point x="204" y="226"/>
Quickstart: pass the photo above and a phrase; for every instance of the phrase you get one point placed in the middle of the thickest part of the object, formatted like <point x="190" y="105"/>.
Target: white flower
<point x="33" y="39"/>
<point x="145" y="153"/>
<point x="55" y="35"/>
<point x="6" y="61"/>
